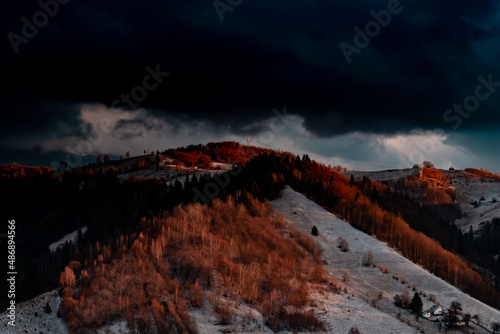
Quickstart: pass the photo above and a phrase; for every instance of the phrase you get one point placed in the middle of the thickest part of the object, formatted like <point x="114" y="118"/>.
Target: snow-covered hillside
<point x="365" y="302"/>
<point x="366" y="283"/>
<point x="469" y="188"/>
<point x="384" y="175"/>
<point x="33" y="316"/>
<point x="486" y="192"/>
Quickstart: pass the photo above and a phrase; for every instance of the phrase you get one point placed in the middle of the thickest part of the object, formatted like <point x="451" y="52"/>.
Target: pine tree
<point x="471" y="233"/>
<point x="416" y="304"/>
<point x="48" y="309"/>
<point x="314" y="231"/>
<point x="80" y="237"/>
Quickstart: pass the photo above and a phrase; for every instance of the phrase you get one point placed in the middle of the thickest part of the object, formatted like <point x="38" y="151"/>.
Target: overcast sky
<point x="366" y="84"/>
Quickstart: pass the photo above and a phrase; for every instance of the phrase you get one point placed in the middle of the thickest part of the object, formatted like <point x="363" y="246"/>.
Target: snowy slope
<point x="384" y="175"/>
<point x="468" y="188"/>
<point x="68" y="237"/>
<point x="339" y="312"/>
<point x="32" y="318"/>
<point x="367" y="282"/>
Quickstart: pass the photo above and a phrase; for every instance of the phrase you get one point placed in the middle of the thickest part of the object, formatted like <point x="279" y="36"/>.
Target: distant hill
<point x="468" y="198"/>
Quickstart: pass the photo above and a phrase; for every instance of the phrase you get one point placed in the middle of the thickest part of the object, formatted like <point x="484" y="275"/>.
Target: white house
<point x="436" y="310"/>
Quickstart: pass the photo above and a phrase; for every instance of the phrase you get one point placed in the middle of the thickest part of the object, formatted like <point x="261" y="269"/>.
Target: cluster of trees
<point x="22" y="174"/>
<point x="48" y="205"/>
<point x="431" y="188"/>
<point x="220" y="255"/>
<point x="488" y="240"/>
<point x="414" y="304"/>
<point x="422" y="218"/>
<point x="483" y="174"/>
<point x="267" y="173"/>
<point x="452" y="316"/>
<point x="229" y="152"/>
<point x="190" y="159"/>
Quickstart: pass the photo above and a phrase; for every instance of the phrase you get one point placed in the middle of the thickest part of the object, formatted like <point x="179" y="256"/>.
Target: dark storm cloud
<point x="35" y="117"/>
<point x="482" y="143"/>
<point x="263" y="55"/>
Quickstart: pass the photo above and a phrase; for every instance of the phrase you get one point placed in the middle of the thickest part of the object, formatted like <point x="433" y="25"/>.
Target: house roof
<point x="434" y="308"/>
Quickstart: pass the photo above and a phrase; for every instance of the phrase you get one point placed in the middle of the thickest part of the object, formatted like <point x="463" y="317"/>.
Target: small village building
<point x="436" y="310"/>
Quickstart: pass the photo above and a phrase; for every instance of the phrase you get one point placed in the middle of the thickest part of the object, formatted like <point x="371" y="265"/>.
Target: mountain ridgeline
<point x="194" y="241"/>
<point x="373" y="214"/>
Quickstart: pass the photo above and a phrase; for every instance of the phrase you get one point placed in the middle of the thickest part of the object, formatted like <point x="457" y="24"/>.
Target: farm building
<point x="436" y="310"/>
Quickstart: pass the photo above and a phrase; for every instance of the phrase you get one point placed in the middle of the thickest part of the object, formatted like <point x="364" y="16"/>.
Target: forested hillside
<point x="46" y="208"/>
<point x="222" y="255"/>
<point x="338" y="194"/>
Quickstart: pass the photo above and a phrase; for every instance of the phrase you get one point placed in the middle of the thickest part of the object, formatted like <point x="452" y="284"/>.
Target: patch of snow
<point x="245" y="320"/>
<point x="119" y="327"/>
<point x="71" y="237"/>
<point x="32" y="318"/>
<point x="221" y="165"/>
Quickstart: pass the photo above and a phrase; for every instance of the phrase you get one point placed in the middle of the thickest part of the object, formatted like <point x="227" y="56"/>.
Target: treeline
<point x="422" y="218"/>
<point x="487" y="245"/>
<point x="218" y="256"/>
<point x="430" y="189"/>
<point x="46" y="207"/>
<point x="419" y="217"/>
<point x="266" y="174"/>
<point x="228" y="152"/>
<point x="48" y="204"/>
<point x="483" y="174"/>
